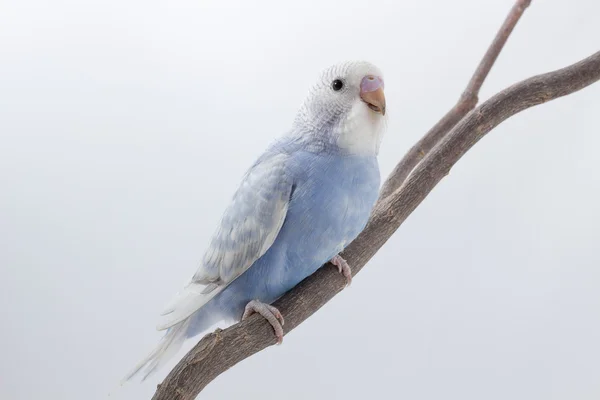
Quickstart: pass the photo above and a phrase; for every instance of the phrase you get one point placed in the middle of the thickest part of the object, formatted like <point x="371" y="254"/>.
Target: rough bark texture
<point x="221" y="350"/>
<point x="467" y="101"/>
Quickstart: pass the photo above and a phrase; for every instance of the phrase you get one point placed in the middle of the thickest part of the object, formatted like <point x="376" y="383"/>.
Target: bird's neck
<point x="358" y="132"/>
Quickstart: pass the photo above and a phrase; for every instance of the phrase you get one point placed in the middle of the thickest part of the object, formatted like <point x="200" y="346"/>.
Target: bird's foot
<point x="343" y="268"/>
<point x="270" y="313"/>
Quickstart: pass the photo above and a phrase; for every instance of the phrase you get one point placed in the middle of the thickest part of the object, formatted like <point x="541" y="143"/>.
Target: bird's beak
<point x="371" y="92"/>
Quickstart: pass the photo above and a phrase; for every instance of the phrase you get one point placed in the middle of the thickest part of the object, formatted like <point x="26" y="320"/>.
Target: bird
<point x="297" y="207"/>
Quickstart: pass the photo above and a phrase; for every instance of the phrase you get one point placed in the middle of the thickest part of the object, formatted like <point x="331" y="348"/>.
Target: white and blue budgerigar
<point x="301" y="203"/>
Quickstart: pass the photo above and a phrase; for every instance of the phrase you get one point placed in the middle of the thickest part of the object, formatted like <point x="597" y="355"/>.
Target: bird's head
<point x="346" y="108"/>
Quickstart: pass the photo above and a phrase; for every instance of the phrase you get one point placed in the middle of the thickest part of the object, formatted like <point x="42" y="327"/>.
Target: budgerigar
<point x="306" y="198"/>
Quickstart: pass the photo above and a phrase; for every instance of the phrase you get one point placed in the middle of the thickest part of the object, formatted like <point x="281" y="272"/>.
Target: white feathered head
<point x="346" y="108"/>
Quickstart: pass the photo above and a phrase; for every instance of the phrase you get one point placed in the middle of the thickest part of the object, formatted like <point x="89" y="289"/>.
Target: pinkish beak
<point x="371" y="92"/>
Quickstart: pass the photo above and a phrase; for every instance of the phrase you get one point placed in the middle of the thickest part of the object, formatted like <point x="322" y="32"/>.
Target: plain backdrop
<point x="125" y="127"/>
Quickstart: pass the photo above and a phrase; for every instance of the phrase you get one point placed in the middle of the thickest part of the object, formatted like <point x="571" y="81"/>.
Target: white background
<point x="125" y="127"/>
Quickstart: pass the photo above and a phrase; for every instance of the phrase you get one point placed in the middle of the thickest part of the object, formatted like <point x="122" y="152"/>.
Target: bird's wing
<point x="248" y="228"/>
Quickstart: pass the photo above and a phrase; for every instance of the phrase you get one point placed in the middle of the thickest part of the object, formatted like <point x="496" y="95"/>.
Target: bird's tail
<point x="168" y="346"/>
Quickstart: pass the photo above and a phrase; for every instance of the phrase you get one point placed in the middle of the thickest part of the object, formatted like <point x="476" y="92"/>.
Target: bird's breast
<point x="331" y="203"/>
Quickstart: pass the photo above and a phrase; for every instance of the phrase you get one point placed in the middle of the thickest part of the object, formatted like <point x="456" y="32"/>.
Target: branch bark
<point x="221" y="350"/>
<point x="467" y="101"/>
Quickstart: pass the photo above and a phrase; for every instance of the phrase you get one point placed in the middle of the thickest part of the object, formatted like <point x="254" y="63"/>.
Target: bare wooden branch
<point x="467" y="101"/>
<point x="221" y="350"/>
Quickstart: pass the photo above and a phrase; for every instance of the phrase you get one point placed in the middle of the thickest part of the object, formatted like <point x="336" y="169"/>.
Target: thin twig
<point x="221" y="350"/>
<point x="467" y="101"/>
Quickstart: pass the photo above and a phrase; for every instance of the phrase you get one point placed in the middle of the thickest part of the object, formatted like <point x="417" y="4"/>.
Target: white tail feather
<point x="186" y="302"/>
<point x="167" y="347"/>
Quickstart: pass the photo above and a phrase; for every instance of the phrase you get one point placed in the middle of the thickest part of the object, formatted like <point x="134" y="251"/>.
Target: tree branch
<point x="221" y="350"/>
<point x="467" y="101"/>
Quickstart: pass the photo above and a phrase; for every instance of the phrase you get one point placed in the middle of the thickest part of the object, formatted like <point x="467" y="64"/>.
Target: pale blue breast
<point x="331" y="203"/>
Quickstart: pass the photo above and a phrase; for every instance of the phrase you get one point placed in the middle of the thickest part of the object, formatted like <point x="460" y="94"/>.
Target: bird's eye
<point x="337" y="85"/>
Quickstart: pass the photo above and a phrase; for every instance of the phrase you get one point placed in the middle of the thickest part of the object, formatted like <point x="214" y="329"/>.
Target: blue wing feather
<point x="248" y="228"/>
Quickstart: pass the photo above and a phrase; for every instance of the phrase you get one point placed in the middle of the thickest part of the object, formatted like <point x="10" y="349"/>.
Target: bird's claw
<point x="268" y="312"/>
<point x="343" y="268"/>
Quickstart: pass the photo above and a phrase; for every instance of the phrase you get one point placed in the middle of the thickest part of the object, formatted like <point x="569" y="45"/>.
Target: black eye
<point x="337" y="85"/>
